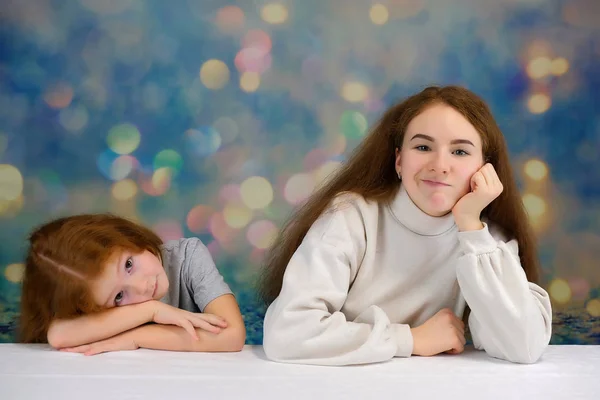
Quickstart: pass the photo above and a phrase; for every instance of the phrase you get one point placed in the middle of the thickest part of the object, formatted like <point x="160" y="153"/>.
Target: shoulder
<point x="183" y="246"/>
<point x="346" y="215"/>
<point x="185" y="251"/>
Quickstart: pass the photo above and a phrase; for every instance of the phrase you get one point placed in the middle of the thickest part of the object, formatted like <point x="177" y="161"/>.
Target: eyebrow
<point x="429" y="138"/>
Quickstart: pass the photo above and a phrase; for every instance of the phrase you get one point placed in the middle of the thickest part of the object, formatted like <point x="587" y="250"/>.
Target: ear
<point x="398" y="160"/>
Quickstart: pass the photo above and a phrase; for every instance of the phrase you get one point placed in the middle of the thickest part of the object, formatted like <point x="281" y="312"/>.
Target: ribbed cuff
<point x="477" y="242"/>
<point x="404" y="339"/>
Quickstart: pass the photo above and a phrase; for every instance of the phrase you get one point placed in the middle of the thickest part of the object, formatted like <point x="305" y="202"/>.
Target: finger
<point x="490" y="175"/>
<point x="213" y="319"/>
<point x="477" y="181"/>
<point x="452" y="351"/>
<point x="202" y="324"/>
<point x="77" y="349"/>
<point x="95" y="350"/>
<point x="187" y="325"/>
<point x="459" y="329"/>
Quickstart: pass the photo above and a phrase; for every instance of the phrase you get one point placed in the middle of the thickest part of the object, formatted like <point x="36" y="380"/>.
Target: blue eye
<point x="461" y="152"/>
<point x="422" y="148"/>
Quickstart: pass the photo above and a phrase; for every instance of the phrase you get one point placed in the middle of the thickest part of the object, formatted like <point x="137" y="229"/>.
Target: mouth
<point x="434" y="183"/>
<point x="155" y="288"/>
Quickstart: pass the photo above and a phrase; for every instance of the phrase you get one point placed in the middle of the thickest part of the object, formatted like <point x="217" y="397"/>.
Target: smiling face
<point x="130" y="278"/>
<point x="440" y="153"/>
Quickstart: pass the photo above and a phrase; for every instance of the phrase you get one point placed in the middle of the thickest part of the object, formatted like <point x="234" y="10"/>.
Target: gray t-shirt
<point x="194" y="280"/>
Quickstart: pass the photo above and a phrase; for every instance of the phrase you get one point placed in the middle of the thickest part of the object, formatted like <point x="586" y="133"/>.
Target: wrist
<point x="469" y="224"/>
<point x="149" y="309"/>
<point x="415" y="350"/>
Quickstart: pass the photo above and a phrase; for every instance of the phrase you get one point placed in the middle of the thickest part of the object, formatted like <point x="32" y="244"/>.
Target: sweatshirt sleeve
<point x="305" y="324"/>
<point x="511" y="318"/>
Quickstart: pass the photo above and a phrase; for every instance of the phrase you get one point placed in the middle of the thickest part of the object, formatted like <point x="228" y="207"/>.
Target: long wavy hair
<point x="379" y="181"/>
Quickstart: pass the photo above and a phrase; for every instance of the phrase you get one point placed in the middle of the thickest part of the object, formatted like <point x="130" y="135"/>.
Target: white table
<point x="38" y="372"/>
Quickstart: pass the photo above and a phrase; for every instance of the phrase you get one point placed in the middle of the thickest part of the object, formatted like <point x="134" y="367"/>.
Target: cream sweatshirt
<point x="367" y="272"/>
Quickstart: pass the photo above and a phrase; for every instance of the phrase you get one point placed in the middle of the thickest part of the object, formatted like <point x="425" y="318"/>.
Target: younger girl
<point x="93" y="283"/>
<point x="380" y="261"/>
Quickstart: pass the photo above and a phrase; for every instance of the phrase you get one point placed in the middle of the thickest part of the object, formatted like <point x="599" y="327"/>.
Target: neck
<point x="413" y="218"/>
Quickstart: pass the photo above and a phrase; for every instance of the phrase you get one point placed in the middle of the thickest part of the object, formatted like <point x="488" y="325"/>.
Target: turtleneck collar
<point x="411" y="216"/>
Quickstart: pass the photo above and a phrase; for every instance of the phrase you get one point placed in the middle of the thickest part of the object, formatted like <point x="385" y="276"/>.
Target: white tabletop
<point x="38" y="372"/>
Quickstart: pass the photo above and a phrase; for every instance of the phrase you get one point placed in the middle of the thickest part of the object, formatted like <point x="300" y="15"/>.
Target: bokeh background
<point x="216" y="118"/>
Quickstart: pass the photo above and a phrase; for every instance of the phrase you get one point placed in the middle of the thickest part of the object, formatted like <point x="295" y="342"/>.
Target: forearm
<point x="174" y="338"/>
<point x="94" y="327"/>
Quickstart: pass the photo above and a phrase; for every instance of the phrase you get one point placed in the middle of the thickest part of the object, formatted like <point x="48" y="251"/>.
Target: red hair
<point x="64" y="257"/>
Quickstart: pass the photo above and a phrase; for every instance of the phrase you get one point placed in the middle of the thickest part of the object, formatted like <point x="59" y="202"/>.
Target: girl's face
<point x="440" y="153"/>
<point x="130" y="278"/>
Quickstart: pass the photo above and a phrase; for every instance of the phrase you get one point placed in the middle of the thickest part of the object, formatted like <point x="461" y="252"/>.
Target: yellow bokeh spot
<point x="256" y="192"/>
<point x="14" y="272"/>
<point x="250" y="81"/>
<point x="536" y="169"/>
<point x="161" y="180"/>
<point x="355" y="92"/>
<point x="123" y="139"/>
<point x="298" y="188"/>
<point x="214" y="74"/>
<point x="11" y="207"/>
<point x="535" y="205"/>
<point x="560" y="291"/>
<point x="124" y="190"/>
<point x="326" y="171"/>
<point x="11" y="182"/>
<point x="274" y="13"/>
<point x="539" y="103"/>
<point x="539" y="67"/>
<point x="379" y="14"/>
<point x="560" y="66"/>
<point x="237" y="216"/>
<point x="593" y="307"/>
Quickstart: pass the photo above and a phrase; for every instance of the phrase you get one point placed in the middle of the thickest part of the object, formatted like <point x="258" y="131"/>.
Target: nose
<point x="439" y="162"/>
<point x="142" y="287"/>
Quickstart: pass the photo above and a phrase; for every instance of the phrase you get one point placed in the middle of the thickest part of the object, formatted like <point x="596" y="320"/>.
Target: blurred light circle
<point x="123" y="138"/>
<point x="560" y="291"/>
<point x="122" y="166"/>
<point x="251" y="59"/>
<point x="124" y="190"/>
<point x="214" y="74"/>
<point x="59" y="96"/>
<point x="261" y="234"/>
<point x="379" y="14"/>
<point x="298" y="188"/>
<point x="168" y="158"/>
<point x="230" y="18"/>
<point x="274" y="13"/>
<point x="257" y="39"/>
<point x="14" y="272"/>
<point x="198" y="218"/>
<point x="237" y="216"/>
<point x="354" y="92"/>
<point x="249" y="81"/>
<point x="204" y="141"/>
<point x="11" y="182"/>
<point x="256" y="192"/>
<point x="353" y="124"/>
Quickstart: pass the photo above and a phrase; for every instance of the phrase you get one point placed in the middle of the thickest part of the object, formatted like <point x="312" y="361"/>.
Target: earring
<point x="399" y="176"/>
